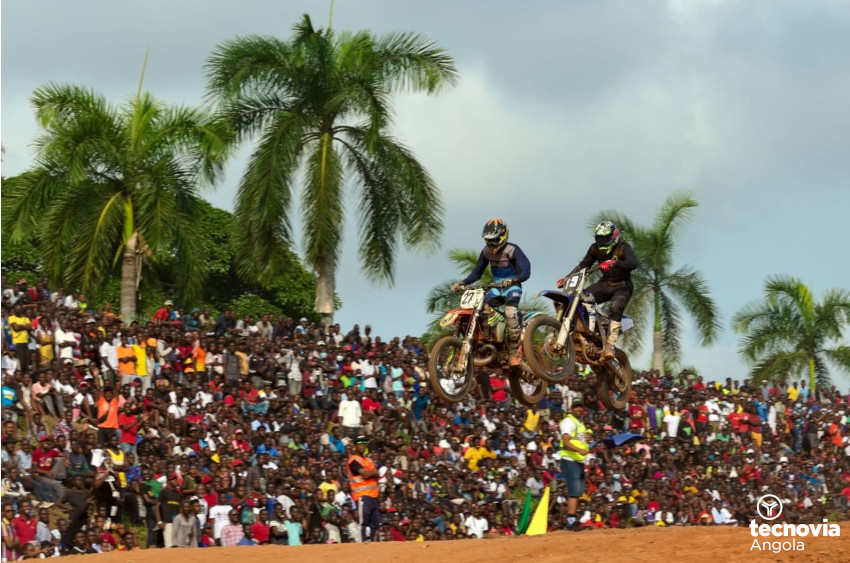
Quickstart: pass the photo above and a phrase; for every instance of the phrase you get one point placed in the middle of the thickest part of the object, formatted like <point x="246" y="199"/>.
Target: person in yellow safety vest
<point x="363" y="482"/>
<point x="574" y="450"/>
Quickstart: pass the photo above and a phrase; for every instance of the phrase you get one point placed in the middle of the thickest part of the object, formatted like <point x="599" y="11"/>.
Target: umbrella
<point x="619" y="440"/>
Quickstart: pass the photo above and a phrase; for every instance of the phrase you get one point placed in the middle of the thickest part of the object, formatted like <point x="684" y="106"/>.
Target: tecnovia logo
<point x="769" y="508"/>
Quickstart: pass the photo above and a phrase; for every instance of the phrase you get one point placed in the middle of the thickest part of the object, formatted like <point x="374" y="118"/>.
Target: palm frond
<point x="671" y="328"/>
<point x="839" y="357"/>
<point x="780" y="365"/>
<point x="692" y="291"/>
<point x="321" y="204"/>
<point x="410" y="61"/>
<point x="264" y="198"/>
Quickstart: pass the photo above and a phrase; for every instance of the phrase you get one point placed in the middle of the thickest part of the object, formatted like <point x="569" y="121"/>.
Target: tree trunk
<point x="658" y="352"/>
<point x="325" y="289"/>
<point x="129" y="266"/>
<point x="657" y="340"/>
<point x="812" y="376"/>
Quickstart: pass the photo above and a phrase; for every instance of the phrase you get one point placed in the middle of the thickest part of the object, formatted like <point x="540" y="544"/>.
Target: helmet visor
<point x="603" y="240"/>
<point x="494" y="241"/>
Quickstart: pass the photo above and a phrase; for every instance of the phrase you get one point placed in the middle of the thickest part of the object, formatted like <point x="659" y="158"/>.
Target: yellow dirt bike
<point x="479" y="340"/>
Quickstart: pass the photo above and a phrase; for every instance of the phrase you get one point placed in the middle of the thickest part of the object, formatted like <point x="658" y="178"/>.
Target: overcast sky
<point x="563" y="109"/>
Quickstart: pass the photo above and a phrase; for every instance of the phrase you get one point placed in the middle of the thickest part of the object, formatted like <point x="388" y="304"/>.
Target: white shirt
<point x="66" y="353"/>
<point x="219" y="513"/>
<point x="71" y="303"/>
<point x="109" y="353"/>
<point x="286" y="503"/>
<point x="350" y="413"/>
<point x="476" y="526"/>
<point x="10" y="364"/>
<point x="672" y="422"/>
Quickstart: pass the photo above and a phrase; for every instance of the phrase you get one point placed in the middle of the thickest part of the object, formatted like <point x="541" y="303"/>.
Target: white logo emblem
<point x="769" y="507"/>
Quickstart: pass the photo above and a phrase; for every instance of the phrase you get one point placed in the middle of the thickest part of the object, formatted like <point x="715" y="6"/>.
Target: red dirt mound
<point x="634" y="545"/>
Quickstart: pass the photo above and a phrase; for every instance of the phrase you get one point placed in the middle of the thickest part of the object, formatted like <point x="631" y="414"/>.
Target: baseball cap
<point x="361" y="439"/>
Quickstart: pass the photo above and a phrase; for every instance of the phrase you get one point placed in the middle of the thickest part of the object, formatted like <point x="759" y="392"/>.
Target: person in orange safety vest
<point x="363" y="481"/>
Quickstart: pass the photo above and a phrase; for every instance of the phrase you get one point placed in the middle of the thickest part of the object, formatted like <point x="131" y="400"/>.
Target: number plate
<point x="472" y="298"/>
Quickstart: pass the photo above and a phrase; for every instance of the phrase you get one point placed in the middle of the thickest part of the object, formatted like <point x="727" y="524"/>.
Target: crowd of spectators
<point x="199" y="430"/>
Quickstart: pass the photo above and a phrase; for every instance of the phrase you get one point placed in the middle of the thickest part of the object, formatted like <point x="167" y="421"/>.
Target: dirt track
<point x="656" y="544"/>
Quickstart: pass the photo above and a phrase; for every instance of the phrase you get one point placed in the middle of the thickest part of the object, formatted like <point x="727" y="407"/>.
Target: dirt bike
<point x="577" y="333"/>
<point x="480" y="340"/>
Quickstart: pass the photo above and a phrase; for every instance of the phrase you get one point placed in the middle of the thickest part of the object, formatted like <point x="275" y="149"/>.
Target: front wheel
<point x="450" y="381"/>
<point x="526" y="388"/>
<point x="614" y="381"/>
<point x="549" y="362"/>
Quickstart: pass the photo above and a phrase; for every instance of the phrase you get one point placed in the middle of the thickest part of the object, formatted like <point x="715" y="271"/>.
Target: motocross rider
<point x="616" y="261"/>
<point x="510" y="267"/>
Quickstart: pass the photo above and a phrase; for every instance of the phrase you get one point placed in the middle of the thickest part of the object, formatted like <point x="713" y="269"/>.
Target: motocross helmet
<point x="607" y="235"/>
<point x="495" y="234"/>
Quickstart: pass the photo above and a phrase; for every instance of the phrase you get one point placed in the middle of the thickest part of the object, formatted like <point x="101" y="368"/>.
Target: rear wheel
<point x="540" y="348"/>
<point x="450" y="381"/>
<point x="526" y="388"/>
<point x="614" y="381"/>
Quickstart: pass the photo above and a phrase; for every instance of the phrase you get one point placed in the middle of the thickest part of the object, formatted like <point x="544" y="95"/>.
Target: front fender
<point x="452" y="317"/>
<point x="556" y="296"/>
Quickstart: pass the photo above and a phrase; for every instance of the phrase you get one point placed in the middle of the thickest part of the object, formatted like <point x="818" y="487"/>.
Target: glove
<point x="561" y="282"/>
<point x="509" y="283"/>
<point x="457" y="287"/>
<point x="607" y="265"/>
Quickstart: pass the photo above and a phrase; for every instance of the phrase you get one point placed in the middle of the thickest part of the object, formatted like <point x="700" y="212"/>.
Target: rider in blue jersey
<point x="510" y="267"/>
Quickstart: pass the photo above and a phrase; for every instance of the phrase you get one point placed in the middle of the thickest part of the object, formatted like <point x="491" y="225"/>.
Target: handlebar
<point x="479" y="286"/>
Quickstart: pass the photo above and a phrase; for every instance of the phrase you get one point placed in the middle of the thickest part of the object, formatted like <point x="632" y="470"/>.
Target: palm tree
<point x="440" y="299"/>
<point x="320" y="103"/>
<point x="790" y="333"/>
<point x="115" y="182"/>
<point x="659" y="288"/>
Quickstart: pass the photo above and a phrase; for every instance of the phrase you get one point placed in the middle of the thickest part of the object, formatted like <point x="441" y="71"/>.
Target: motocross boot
<point x="613" y="336"/>
<point x="513" y="345"/>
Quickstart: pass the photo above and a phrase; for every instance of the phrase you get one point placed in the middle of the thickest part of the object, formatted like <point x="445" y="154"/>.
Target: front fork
<point x="565" y="317"/>
<point x="466" y="349"/>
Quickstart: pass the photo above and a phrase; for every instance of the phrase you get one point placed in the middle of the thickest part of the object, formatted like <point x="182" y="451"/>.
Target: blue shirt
<point x="246" y="541"/>
<point x="293" y="532"/>
<point x="9" y="397"/>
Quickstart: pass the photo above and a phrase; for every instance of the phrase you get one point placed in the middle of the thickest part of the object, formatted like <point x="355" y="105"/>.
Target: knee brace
<point x="511" y="312"/>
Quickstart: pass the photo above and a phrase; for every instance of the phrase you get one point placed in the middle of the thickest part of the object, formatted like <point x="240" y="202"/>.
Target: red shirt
<point x="161" y="315"/>
<point x="260" y="532"/>
<point x="25" y="528"/>
<point x="44" y="459"/>
<point x="637" y="414"/>
<point x="128" y="436"/>
<point x="368" y="405"/>
<point x="498" y="387"/>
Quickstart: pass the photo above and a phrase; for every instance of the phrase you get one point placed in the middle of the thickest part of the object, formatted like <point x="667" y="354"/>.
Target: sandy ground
<point x="636" y="545"/>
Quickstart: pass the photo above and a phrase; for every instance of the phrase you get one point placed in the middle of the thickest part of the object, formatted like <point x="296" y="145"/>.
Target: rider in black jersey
<point x="616" y="261"/>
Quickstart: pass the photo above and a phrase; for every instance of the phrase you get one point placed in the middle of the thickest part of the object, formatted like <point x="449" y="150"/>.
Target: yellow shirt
<point x="532" y="419"/>
<point x="325" y="487"/>
<point x="793" y="393"/>
<point x="19" y="336"/>
<point x="141" y="360"/>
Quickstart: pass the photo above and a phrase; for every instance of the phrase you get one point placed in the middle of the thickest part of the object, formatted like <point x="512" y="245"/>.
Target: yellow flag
<point x="540" y="521"/>
<point x="215" y="458"/>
